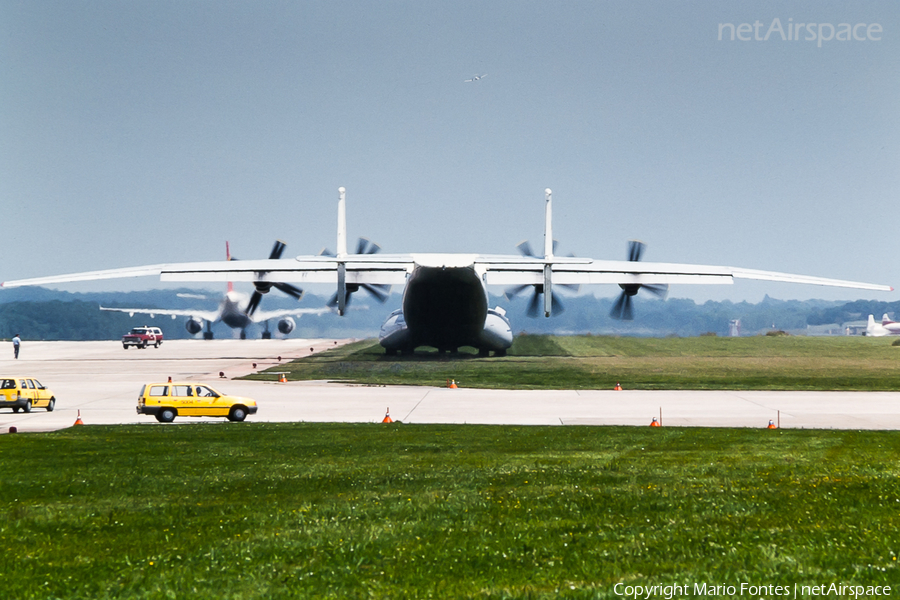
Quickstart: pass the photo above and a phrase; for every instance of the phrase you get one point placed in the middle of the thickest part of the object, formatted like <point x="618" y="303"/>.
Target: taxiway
<point x="102" y="381"/>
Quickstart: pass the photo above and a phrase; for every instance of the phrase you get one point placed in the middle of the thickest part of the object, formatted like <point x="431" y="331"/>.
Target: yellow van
<point x="25" y="393"/>
<point x="165" y="401"/>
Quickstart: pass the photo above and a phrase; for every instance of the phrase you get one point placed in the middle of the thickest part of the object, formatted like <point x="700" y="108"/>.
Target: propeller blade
<point x="658" y="290"/>
<point x="533" y="305"/>
<point x="555" y="244"/>
<point x="326" y="252"/>
<point x="291" y="290"/>
<point x="525" y="249"/>
<point x="379" y="291"/>
<point x="254" y="302"/>
<point x="333" y="301"/>
<point x="515" y="291"/>
<point x="556" y="306"/>
<point x="635" y="250"/>
<point x="277" y="249"/>
<point x="621" y="309"/>
<point x="364" y="246"/>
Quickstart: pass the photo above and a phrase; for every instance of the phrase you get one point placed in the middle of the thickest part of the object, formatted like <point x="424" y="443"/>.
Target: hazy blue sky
<point x="144" y="132"/>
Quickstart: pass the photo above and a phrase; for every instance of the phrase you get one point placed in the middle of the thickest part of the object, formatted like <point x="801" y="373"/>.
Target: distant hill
<point x="39" y="313"/>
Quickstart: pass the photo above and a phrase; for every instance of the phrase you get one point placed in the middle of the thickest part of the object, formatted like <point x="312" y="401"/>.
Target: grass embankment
<point x="595" y="362"/>
<point x="408" y="511"/>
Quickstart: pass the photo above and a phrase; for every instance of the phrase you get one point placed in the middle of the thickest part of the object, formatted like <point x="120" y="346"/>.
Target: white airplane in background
<point x="475" y="78"/>
<point x="445" y="301"/>
<point x="887" y="327"/>
<point x="237" y="310"/>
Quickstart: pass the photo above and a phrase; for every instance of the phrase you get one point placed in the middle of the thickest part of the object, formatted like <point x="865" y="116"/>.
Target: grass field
<point x="404" y="511"/>
<point x="596" y="362"/>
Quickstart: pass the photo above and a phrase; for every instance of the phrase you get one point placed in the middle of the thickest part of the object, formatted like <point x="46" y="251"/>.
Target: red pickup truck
<point x="141" y="337"/>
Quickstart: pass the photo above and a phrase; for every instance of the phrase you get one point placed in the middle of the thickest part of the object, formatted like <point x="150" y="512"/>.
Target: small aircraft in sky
<point x="475" y="78"/>
<point x="445" y="300"/>
<point x="886" y="327"/>
<point x="237" y="310"/>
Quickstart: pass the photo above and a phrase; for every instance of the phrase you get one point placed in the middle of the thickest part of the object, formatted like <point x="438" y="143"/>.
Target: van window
<point x="9" y="384"/>
<point x="22" y="384"/>
<point x="30" y="384"/>
<point x="159" y="390"/>
<point x="181" y="390"/>
<point x="38" y="385"/>
<point x="205" y="392"/>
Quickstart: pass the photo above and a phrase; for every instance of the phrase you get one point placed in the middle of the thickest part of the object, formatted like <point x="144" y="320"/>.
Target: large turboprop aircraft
<point x="445" y="301"/>
<point x="238" y="310"/>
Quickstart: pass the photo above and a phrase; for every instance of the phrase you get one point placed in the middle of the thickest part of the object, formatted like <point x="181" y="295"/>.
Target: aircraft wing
<point x="365" y="268"/>
<point x="393" y="269"/>
<point x="264" y="315"/>
<point x="513" y="270"/>
<point x="202" y="314"/>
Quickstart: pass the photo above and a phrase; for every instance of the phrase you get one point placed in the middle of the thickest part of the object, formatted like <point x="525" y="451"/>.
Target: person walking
<point x="17" y="341"/>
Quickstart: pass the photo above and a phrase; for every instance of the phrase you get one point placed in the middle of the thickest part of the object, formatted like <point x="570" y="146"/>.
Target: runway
<point x="102" y="381"/>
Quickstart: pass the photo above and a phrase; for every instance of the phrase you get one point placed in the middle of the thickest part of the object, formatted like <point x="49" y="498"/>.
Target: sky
<point x="144" y="132"/>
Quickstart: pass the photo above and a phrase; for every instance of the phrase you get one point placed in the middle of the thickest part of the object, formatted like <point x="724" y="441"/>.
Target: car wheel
<point x="125" y="346"/>
<point x="238" y="413"/>
<point x="51" y="405"/>
<point x="27" y="407"/>
<point x="15" y="409"/>
<point x="156" y="345"/>
<point x="166" y="415"/>
<point x="144" y="345"/>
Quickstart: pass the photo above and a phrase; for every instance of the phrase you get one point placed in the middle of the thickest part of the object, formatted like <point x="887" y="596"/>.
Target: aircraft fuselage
<point x="446" y="307"/>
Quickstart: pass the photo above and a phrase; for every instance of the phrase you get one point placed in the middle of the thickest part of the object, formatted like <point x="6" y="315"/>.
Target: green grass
<point x="596" y="362"/>
<point x="409" y="511"/>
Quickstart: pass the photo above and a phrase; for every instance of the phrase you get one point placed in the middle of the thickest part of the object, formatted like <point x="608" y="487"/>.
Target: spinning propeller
<point x="263" y="287"/>
<point x="533" y="310"/>
<point x="379" y="291"/>
<point x="622" y="309"/>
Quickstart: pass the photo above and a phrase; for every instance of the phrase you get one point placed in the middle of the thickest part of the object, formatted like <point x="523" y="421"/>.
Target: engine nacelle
<point x="286" y="325"/>
<point x="193" y="326"/>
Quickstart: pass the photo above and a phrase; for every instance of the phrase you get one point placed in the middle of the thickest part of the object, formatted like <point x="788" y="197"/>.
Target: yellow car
<point x="25" y="393"/>
<point x="165" y="401"/>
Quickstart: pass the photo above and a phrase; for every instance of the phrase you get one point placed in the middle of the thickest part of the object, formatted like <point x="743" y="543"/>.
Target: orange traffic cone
<point x="618" y="387"/>
<point x="78" y="421"/>
<point x="453" y="385"/>
<point x="655" y="423"/>
<point x="771" y="425"/>
<point x="283" y="378"/>
<point x="387" y="416"/>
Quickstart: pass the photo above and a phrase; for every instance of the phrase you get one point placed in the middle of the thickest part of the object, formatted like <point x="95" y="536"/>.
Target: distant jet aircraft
<point x="237" y="310"/>
<point x="445" y="301"/>
<point x="476" y="78"/>
<point x="887" y="327"/>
